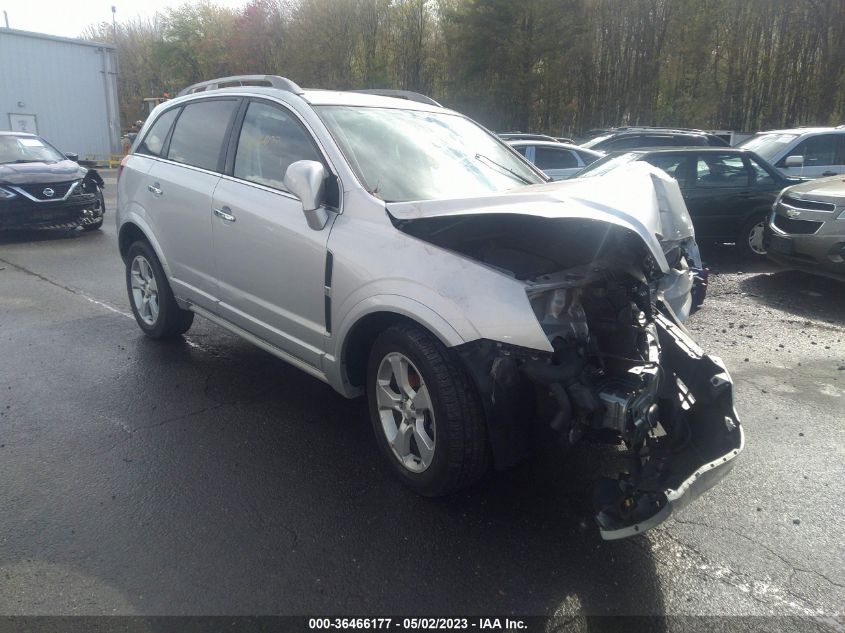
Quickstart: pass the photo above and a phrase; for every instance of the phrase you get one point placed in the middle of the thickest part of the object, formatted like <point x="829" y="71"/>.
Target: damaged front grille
<point x="796" y="227"/>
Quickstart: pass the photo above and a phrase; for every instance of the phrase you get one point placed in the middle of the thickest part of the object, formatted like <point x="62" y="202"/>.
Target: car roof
<point x="317" y="97"/>
<point x="576" y="148"/>
<point x="805" y="130"/>
<point x="698" y="149"/>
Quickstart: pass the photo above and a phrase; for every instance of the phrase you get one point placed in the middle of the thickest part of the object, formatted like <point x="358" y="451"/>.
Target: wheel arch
<point x="133" y="230"/>
<point x="371" y="317"/>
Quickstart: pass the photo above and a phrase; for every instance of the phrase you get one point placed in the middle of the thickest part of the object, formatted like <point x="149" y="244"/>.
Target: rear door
<point x="270" y="264"/>
<point x="180" y="191"/>
<point x="718" y="199"/>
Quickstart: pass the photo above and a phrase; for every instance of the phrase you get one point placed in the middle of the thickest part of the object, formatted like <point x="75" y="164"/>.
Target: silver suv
<point x="804" y="152"/>
<point x="393" y="248"/>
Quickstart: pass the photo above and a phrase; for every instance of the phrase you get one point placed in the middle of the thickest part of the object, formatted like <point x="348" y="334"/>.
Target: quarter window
<point x="198" y="137"/>
<point x="270" y="140"/>
<point x="154" y="141"/>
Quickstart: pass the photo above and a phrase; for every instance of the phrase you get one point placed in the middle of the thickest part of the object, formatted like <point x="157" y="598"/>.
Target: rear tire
<point x="749" y="242"/>
<point x="430" y="425"/>
<point x="155" y="309"/>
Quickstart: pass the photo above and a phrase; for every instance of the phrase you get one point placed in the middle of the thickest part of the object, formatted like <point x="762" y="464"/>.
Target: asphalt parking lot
<point x="207" y="477"/>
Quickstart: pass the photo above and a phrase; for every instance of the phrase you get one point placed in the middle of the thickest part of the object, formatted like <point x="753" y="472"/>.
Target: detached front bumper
<point x="703" y="437"/>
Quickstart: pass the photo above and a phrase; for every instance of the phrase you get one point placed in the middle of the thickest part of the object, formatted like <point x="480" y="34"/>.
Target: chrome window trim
<point x="34" y="199"/>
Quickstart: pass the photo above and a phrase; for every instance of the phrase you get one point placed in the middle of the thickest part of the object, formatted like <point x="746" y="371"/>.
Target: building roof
<point x="55" y="38"/>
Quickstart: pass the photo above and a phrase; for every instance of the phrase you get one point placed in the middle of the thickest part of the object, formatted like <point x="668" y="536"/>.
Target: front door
<point x="719" y="197"/>
<point x="270" y="264"/>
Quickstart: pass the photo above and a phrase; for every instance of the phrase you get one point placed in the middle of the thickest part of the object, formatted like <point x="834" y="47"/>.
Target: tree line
<point x="554" y="66"/>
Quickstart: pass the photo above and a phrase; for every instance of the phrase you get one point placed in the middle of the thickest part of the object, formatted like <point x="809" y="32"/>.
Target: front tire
<point x="425" y="412"/>
<point x="750" y="238"/>
<point x="152" y="301"/>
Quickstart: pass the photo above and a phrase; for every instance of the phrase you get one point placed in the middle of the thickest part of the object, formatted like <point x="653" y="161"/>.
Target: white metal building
<point x="62" y="89"/>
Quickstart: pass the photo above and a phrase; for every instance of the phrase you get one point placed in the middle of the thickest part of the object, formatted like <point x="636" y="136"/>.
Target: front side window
<point x="552" y="158"/>
<point x="817" y="150"/>
<point x="198" y="136"/>
<point x="270" y="140"/>
<point x="153" y="142"/>
<point x="761" y="175"/>
<point x="715" y="171"/>
<point x="676" y="165"/>
<point x="402" y="155"/>
<point x="27" y="149"/>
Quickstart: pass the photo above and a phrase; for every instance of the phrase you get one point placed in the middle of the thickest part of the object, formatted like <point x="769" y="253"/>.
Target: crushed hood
<point x="637" y="197"/>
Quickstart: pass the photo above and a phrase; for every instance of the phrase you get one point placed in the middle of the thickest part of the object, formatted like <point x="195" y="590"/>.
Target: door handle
<point x="829" y="173"/>
<point x="155" y="189"/>
<point x="223" y="214"/>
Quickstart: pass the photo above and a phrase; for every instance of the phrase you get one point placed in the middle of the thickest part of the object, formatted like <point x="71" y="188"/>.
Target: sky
<point x="68" y="18"/>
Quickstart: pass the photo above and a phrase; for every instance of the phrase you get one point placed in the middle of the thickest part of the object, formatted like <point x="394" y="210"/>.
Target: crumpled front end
<point x="623" y="371"/>
<point x="54" y="205"/>
<point x="609" y="289"/>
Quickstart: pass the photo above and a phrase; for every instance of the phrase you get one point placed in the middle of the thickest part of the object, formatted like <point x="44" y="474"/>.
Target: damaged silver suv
<point x="393" y="248"/>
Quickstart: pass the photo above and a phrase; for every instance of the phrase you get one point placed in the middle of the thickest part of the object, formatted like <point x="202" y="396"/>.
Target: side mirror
<point x="72" y="156"/>
<point x="306" y="179"/>
<point x="794" y="161"/>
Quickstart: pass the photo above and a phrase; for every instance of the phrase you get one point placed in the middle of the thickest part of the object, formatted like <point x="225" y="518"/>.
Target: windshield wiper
<point x="20" y="160"/>
<point x="493" y="163"/>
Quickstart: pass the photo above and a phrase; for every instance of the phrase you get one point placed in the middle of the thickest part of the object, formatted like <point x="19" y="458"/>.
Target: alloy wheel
<point x="406" y="412"/>
<point x="144" y="290"/>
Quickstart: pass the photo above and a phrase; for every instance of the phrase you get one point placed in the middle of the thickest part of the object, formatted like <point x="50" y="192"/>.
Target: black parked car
<point x="729" y="192"/>
<point x="42" y="188"/>
<point x="625" y="138"/>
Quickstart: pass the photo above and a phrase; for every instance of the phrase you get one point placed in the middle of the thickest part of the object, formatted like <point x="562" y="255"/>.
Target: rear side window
<point x="153" y="142"/>
<point x="198" y="137"/>
<point x="270" y="140"/>
<point x="551" y="158"/>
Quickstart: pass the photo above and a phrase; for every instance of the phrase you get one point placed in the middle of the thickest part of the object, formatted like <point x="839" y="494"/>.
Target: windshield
<point x="608" y="163"/>
<point x="768" y="145"/>
<point x="27" y="149"/>
<point x="403" y="155"/>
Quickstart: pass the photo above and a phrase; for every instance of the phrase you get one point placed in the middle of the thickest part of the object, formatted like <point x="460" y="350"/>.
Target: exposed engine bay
<point x="623" y="370"/>
<point x="610" y="289"/>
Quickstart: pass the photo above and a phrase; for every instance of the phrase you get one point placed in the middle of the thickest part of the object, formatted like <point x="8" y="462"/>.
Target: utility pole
<point x="113" y="24"/>
<point x="6" y="17"/>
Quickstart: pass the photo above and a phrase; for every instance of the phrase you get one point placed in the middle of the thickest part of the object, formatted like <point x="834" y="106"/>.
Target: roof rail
<point x="273" y="81"/>
<point x="401" y="94"/>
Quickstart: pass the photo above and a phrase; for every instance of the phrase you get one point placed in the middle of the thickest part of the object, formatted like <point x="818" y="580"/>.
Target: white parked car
<point x="558" y="161"/>
<point x="804" y="152"/>
<point x="398" y="250"/>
